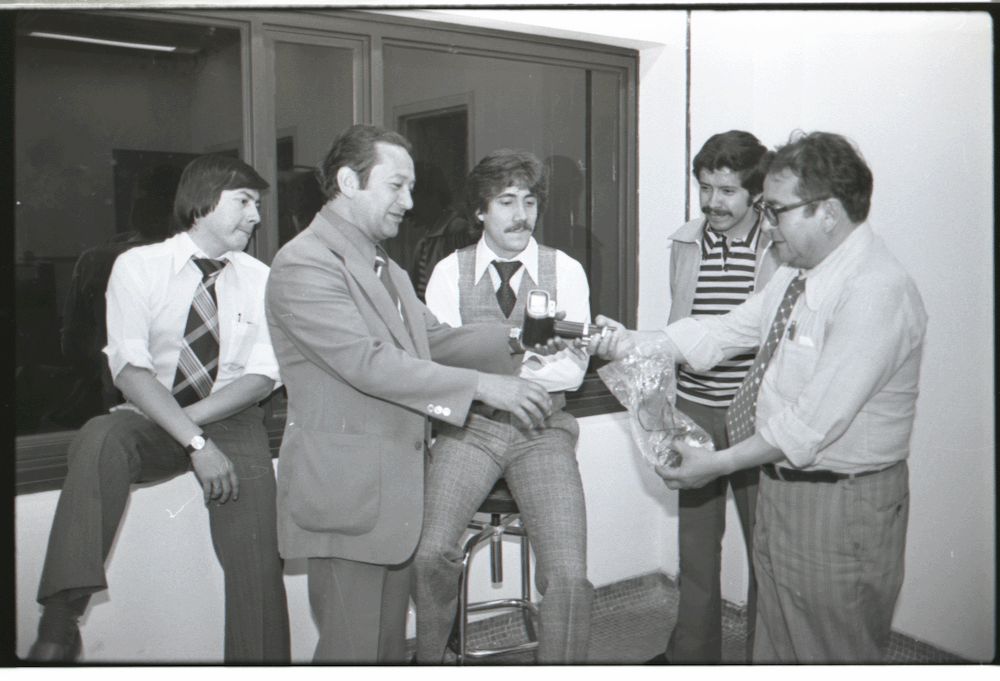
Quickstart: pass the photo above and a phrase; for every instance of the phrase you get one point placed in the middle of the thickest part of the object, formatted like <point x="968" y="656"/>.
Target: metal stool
<point x="504" y="519"/>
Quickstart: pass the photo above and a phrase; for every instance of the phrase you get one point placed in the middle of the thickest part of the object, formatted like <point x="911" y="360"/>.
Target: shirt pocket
<point x="796" y="365"/>
<point x="244" y="336"/>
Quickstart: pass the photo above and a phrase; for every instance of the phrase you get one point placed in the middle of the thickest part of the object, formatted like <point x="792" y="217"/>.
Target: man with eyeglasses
<point x="716" y="262"/>
<point x="826" y="410"/>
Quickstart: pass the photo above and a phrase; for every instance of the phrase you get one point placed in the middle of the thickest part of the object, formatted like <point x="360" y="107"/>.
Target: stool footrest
<point x="481" y="606"/>
<point x="521" y="647"/>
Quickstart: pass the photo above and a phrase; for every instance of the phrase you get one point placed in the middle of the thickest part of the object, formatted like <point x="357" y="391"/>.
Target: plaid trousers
<point x="541" y="470"/>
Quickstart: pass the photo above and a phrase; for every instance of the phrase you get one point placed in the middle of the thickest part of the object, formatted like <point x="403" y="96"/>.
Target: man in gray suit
<point x="364" y="362"/>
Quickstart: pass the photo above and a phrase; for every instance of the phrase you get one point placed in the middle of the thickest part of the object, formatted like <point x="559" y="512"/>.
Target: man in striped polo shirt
<point x="717" y="261"/>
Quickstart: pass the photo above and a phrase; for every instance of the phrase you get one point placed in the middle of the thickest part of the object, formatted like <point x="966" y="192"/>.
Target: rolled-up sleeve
<point x="262" y="359"/>
<point x="706" y="341"/>
<point x="128" y="320"/>
<point x="563" y="370"/>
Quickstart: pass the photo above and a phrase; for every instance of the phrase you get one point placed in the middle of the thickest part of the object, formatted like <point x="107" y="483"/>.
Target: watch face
<point x="197" y="442"/>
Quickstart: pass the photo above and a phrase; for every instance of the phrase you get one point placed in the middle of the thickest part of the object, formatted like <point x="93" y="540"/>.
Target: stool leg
<point x="463" y="610"/>
<point x="496" y="553"/>
<point x="529" y="621"/>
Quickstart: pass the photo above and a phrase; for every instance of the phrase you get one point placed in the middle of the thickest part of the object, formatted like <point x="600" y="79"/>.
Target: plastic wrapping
<point x="645" y="382"/>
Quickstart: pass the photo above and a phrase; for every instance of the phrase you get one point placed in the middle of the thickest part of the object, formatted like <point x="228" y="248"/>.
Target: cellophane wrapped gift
<point x="645" y="382"/>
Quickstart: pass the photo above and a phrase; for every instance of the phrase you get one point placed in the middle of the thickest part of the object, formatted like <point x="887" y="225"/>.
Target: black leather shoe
<point x="47" y="651"/>
<point x="659" y="659"/>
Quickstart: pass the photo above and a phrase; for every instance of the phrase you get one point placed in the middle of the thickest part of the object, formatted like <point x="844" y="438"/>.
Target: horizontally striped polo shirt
<point x="725" y="279"/>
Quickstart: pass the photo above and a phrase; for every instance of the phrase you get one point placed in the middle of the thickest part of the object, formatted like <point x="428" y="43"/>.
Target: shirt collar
<point x="528" y="258"/>
<point x="830" y="272"/>
<point x="184" y="247"/>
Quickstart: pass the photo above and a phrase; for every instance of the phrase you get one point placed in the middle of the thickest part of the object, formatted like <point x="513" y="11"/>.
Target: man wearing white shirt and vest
<point x="826" y="410"/>
<point x="188" y="348"/>
<point x="489" y="282"/>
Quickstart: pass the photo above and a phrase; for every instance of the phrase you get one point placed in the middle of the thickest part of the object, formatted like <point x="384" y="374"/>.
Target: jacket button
<point x="418" y="445"/>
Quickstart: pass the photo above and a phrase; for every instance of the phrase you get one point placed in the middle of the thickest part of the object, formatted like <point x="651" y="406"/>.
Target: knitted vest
<point x="478" y="302"/>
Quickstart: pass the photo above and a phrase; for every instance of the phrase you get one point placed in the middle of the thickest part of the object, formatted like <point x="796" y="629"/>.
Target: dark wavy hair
<point x="202" y="183"/>
<point x="738" y="151"/>
<point x="501" y="169"/>
<point x="827" y="164"/>
<point x="355" y="149"/>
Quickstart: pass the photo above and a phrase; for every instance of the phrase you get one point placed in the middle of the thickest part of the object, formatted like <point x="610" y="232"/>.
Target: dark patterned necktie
<point x="505" y="294"/>
<point x="742" y="414"/>
<point x="198" y="363"/>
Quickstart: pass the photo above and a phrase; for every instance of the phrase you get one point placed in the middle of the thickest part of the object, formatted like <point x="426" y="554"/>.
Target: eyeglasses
<point x="772" y="213"/>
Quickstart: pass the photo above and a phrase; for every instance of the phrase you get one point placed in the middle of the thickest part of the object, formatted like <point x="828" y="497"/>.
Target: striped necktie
<point x="198" y="363"/>
<point x="742" y="414"/>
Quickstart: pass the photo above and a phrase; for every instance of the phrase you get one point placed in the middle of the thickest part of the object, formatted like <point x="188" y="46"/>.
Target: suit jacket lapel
<point x="364" y="273"/>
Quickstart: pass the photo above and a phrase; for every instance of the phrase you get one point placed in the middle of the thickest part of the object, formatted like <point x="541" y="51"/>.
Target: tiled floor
<point x="632" y="620"/>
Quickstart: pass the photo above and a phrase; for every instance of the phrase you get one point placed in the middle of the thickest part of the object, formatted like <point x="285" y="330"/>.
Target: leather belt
<point x="792" y="475"/>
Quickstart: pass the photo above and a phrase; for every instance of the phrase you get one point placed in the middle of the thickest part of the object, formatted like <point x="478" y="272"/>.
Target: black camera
<point x="540" y="324"/>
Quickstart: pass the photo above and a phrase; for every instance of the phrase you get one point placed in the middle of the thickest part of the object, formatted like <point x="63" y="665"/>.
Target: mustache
<point x="718" y="213"/>
<point x="518" y="226"/>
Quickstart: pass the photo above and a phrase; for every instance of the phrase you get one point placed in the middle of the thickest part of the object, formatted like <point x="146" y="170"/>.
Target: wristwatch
<point x="197" y="443"/>
<point x="514" y="339"/>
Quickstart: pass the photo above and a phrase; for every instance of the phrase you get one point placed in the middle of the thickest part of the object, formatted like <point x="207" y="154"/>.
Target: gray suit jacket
<point x="360" y="389"/>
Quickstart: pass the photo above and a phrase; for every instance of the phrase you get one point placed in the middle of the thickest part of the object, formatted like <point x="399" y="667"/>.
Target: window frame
<point x="41" y="458"/>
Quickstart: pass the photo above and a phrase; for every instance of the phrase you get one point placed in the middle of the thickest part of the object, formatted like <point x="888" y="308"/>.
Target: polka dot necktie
<point x="505" y="294"/>
<point x="742" y="414"/>
<point x="198" y="363"/>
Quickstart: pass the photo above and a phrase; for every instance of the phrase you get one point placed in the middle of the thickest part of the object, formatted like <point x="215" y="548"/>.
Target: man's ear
<point x="348" y="182"/>
<point x="833" y="211"/>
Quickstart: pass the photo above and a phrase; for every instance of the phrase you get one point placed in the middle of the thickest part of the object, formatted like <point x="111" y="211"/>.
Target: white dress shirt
<point x="558" y="372"/>
<point x="840" y="391"/>
<point x="149" y="296"/>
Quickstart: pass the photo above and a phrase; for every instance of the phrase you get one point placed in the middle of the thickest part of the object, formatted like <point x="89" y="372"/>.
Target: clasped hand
<point x="216" y="474"/>
<point x="698" y="467"/>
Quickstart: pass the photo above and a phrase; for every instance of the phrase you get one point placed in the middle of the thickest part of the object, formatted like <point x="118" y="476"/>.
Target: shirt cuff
<point x="134" y="352"/>
<point x="263" y="367"/>
<point x="797" y="441"/>
<point x="692" y="340"/>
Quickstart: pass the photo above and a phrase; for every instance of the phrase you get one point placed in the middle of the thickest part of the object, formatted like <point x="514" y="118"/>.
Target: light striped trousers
<point x="829" y="565"/>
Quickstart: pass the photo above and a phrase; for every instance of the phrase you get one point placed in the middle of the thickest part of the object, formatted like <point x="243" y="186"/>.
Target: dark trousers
<point x="115" y="450"/>
<point x="697" y="637"/>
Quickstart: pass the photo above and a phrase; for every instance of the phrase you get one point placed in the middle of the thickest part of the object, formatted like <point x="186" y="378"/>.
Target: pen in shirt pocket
<point x="791" y="331"/>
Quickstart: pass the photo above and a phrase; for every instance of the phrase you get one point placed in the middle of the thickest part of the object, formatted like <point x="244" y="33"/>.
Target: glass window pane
<point x="102" y="129"/>
<point x="458" y="107"/>
<point x="313" y="102"/>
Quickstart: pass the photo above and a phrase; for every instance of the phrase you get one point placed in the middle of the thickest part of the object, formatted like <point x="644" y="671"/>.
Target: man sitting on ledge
<point x="189" y="349"/>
